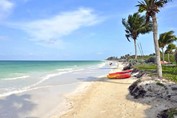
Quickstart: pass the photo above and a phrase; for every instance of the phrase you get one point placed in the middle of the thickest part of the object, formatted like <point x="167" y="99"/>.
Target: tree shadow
<point x="15" y="106"/>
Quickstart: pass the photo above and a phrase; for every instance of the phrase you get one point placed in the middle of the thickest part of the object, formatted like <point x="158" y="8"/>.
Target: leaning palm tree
<point x="170" y="49"/>
<point x="135" y="25"/>
<point x="165" y="39"/>
<point x="151" y="7"/>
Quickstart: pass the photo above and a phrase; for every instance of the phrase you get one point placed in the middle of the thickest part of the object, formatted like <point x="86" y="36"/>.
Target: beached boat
<point x="121" y="72"/>
<point x="119" y="76"/>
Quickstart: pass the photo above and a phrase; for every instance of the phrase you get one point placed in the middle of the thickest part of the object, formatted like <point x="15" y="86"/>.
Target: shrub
<point x="176" y="56"/>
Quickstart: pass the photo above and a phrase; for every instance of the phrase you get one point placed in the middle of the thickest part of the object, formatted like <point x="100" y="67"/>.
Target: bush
<point x="176" y="56"/>
<point x="171" y="57"/>
<point x="151" y="60"/>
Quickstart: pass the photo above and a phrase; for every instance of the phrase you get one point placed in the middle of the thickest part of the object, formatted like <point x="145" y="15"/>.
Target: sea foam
<point x="35" y="85"/>
<point x="15" y="78"/>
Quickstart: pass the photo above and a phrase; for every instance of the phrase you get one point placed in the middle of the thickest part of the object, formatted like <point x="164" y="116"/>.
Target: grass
<point x="169" y="72"/>
<point x="171" y="112"/>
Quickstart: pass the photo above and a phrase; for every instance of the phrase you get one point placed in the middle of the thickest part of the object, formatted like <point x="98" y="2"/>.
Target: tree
<point x="165" y="39"/>
<point x="170" y="49"/>
<point x="176" y="56"/>
<point x="151" y="7"/>
<point x="135" y="25"/>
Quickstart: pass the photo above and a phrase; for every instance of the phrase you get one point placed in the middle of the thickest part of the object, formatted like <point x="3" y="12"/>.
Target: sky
<point x="73" y="29"/>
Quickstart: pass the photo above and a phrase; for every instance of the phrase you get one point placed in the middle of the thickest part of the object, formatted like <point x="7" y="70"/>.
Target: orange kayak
<point x="119" y="76"/>
<point x="122" y="72"/>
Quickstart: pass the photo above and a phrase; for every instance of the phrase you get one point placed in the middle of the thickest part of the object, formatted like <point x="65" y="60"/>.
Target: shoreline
<point x="81" y="89"/>
<point x="110" y="98"/>
<point x="48" y="97"/>
<point x="103" y="98"/>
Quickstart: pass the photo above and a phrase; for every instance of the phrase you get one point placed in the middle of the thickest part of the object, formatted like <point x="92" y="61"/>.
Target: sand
<point x="96" y="97"/>
<point x="105" y="99"/>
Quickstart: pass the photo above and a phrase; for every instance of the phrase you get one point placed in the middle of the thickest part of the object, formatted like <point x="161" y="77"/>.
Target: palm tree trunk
<point x="135" y="48"/>
<point x="168" y="57"/>
<point x="163" y="56"/>
<point x="156" y="45"/>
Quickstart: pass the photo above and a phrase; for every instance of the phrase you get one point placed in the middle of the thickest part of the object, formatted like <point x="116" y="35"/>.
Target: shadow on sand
<point x="15" y="106"/>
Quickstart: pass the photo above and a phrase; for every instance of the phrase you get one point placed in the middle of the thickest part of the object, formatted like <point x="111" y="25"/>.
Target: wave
<point x="65" y="69"/>
<point x="15" y="78"/>
<point x="17" y="91"/>
<point x="30" y="87"/>
<point x="34" y="86"/>
<point x="102" y="65"/>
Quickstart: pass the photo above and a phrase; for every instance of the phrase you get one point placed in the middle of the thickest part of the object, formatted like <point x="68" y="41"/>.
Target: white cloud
<point x="5" y="8"/>
<point x="51" y="31"/>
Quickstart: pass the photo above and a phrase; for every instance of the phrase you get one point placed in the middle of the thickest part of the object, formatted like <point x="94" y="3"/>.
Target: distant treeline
<point x="168" y="57"/>
<point x="128" y="56"/>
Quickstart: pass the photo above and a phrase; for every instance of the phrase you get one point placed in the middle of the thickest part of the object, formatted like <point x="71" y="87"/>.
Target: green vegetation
<point x="168" y="113"/>
<point x="171" y="112"/>
<point x="169" y="72"/>
<point x="169" y="58"/>
<point x="135" y="25"/>
<point x="162" y="85"/>
<point x="151" y="8"/>
<point x="175" y="56"/>
<point x="166" y="39"/>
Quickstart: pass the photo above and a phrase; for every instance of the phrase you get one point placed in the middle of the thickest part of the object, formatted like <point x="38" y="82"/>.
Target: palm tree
<point x="151" y="7"/>
<point x="165" y="39"/>
<point x="135" y="25"/>
<point x="170" y="49"/>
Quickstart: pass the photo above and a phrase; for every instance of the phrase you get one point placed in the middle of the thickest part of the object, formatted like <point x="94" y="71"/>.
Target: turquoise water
<point x="44" y="85"/>
<point x="21" y="76"/>
<point x="18" y="69"/>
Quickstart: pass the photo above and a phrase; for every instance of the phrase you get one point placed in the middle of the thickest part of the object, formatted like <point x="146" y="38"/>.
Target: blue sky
<point x="72" y="29"/>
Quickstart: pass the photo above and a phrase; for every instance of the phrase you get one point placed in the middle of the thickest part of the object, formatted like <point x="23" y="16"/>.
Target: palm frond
<point x="127" y="31"/>
<point x="127" y="36"/>
<point x="135" y="25"/>
<point x="167" y="38"/>
<point x="151" y="6"/>
<point x="170" y="48"/>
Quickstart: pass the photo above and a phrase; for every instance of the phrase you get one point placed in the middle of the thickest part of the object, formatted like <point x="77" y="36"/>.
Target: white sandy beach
<point x="107" y="98"/>
<point x="82" y="94"/>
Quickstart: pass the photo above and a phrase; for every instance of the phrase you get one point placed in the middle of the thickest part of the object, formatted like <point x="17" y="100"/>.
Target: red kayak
<point x="119" y="76"/>
<point x="122" y="72"/>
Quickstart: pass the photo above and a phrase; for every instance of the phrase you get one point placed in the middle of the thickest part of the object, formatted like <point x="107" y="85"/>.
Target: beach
<point x="84" y="92"/>
<point x="37" y="89"/>
<point x="105" y="99"/>
<point x="110" y="98"/>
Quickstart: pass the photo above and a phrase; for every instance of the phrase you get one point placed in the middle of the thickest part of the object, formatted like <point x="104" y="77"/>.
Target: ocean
<point x="20" y="76"/>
